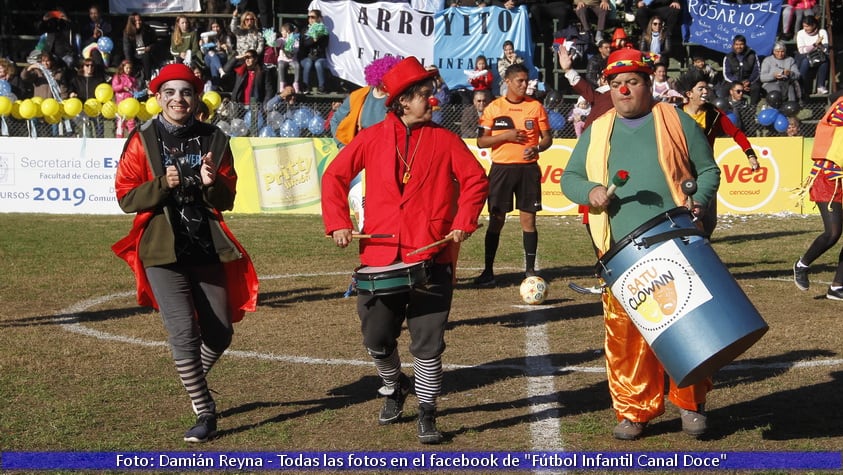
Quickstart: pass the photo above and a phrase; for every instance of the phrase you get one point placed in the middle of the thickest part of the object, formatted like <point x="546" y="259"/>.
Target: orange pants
<point x="636" y="377"/>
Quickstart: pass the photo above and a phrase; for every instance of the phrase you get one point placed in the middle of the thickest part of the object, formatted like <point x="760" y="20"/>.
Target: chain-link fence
<point x="308" y="117"/>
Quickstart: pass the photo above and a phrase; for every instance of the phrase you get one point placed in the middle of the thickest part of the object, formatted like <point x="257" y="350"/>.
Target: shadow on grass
<point x="357" y="392"/>
<point x="744" y="238"/>
<point x="80" y="317"/>
<point x="806" y="412"/>
<point x="781" y="270"/>
<point x="513" y="279"/>
<point x="592" y="398"/>
<point x="266" y="299"/>
<point x="289" y="297"/>
<point x="539" y="315"/>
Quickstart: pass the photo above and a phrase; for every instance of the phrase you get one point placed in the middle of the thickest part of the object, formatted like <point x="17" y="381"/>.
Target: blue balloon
<point x="105" y="45"/>
<point x="234" y="2"/>
<point x="316" y="126"/>
<point x="266" y="131"/>
<point x="247" y="118"/>
<point x="5" y="87"/>
<point x="732" y="117"/>
<point x="780" y="123"/>
<point x="557" y="120"/>
<point x="290" y="129"/>
<point x="302" y="116"/>
<point x="767" y="116"/>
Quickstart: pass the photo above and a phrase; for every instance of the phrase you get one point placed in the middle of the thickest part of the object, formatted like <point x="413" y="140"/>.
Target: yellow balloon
<point x="104" y="92"/>
<point x="92" y="107"/>
<point x="109" y="110"/>
<point x="50" y="107"/>
<point x="5" y="106"/>
<point x="152" y="106"/>
<point x="28" y="109"/>
<point x="37" y="100"/>
<point x="128" y="108"/>
<point x="16" y="109"/>
<point x="143" y="114"/>
<point x="72" y="107"/>
<point x="212" y="99"/>
<point x="53" y="119"/>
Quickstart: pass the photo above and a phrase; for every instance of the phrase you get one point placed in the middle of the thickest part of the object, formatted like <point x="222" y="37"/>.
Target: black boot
<point x="428" y="433"/>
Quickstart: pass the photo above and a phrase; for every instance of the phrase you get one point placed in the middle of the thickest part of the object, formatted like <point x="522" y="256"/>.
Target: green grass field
<point x="83" y="368"/>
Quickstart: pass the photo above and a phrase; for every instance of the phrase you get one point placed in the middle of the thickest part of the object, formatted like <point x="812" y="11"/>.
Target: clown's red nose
<point x="623" y="90"/>
<point x="433" y="101"/>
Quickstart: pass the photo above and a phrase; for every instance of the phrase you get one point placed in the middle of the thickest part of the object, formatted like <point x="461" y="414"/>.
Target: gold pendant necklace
<point x="408" y="164"/>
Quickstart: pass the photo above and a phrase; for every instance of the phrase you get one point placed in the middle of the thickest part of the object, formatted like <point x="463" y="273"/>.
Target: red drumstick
<point x="620" y="179"/>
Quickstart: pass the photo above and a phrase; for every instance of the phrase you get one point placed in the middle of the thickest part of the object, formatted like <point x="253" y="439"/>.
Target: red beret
<point x="626" y="60"/>
<point x="176" y="72"/>
<point x="403" y="75"/>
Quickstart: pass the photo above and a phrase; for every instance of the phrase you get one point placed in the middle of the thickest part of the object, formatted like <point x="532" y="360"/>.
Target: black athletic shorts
<point x="520" y="180"/>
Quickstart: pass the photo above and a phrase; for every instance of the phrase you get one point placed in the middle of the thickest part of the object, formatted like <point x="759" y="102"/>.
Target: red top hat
<point x="176" y="72"/>
<point x="626" y="60"/>
<point x="403" y="75"/>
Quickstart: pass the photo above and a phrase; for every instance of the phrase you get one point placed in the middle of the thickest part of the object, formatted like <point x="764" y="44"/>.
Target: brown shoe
<point x="693" y="423"/>
<point x="628" y="430"/>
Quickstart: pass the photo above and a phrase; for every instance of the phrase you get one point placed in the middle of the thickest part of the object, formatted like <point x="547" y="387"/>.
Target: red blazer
<point x="447" y="191"/>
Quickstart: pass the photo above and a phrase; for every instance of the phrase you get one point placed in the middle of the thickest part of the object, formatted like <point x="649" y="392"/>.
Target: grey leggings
<point x="194" y="307"/>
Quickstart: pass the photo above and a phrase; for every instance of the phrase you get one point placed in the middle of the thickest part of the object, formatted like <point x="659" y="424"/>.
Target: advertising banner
<point x="770" y="189"/>
<point x="280" y="175"/>
<point x="62" y="176"/>
<point x="283" y="175"/>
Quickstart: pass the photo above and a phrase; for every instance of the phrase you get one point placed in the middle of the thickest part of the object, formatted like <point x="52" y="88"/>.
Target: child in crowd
<point x="699" y="64"/>
<point x="481" y="78"/>
<point x="125" y="85"/>
<point x="288" y="50"/>
<point x="578" y="115"/>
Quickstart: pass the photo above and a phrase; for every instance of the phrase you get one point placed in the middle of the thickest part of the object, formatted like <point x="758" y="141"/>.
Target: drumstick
<point x="620" y="179"/>
<point x="431" y="245"/>
<point x="367" y="236"/>
<point x="434" y="244"/>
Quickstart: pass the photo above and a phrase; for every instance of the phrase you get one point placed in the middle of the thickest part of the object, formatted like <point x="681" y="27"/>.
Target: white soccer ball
<point x="533" y="290"/>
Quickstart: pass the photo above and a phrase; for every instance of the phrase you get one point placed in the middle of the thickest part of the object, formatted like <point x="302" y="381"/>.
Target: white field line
<point x="68" y="320"/>
<point x="544" y="429"/>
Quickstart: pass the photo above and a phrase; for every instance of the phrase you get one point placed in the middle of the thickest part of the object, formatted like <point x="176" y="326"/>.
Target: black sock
<point x="492" y="241"/>
<point x="531" y="243"/>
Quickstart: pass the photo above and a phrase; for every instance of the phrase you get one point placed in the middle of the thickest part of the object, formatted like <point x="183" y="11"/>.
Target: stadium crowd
<point x="254" y="63"/>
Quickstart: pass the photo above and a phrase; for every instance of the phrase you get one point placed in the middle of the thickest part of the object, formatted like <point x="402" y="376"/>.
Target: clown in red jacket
<point x="423" y="185"/>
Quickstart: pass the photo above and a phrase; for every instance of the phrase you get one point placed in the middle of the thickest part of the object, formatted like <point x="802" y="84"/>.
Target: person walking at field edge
<point x="660" y="147"/>
<point x="428" y="186"/>
<point x="516" y="127"/>
<point x="826" y="191"/>
<point x="177" y="174"/>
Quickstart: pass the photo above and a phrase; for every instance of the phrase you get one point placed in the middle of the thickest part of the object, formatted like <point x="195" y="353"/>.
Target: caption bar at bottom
<point x="446" y="461"/>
